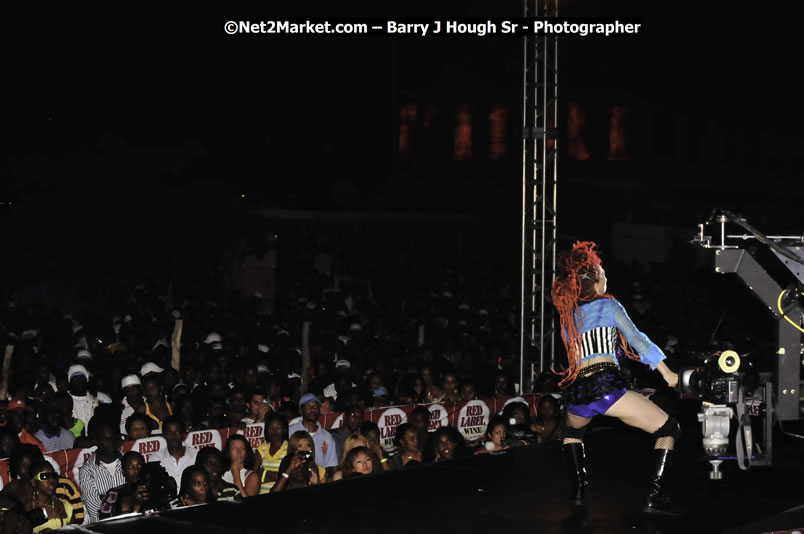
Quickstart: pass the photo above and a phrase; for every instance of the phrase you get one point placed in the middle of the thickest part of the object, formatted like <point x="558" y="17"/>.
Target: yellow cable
<point x="779" y="305"/>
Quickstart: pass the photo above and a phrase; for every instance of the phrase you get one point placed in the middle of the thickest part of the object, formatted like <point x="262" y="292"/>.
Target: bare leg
<point x="638" y="411"/>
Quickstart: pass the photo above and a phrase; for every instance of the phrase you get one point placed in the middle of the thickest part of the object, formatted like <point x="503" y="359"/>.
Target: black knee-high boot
<point x="576" y="468"/>
<point x="657" y="501"/>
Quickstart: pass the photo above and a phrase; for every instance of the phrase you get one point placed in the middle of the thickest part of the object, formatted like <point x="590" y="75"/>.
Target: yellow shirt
<point x="270" y="463"/>
<point x="59" y="522"/>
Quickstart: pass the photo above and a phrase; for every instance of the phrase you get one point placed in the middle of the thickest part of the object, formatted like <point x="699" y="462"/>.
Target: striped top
<point x="67" y="491"/>
<point x="599" y="322"/>
<point x="270" y="463"/>
<point x="95" y="480"/>
<point x="603" y="340"/>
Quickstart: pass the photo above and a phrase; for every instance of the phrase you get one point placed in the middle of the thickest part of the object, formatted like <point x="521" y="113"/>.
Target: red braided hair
<point x="579" y="264"/>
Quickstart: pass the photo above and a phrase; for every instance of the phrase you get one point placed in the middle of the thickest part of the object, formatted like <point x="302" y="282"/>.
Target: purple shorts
<point x="598" y="407"/>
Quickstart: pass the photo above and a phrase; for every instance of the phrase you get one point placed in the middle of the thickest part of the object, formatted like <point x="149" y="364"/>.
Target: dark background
<point x="147" y="132"/>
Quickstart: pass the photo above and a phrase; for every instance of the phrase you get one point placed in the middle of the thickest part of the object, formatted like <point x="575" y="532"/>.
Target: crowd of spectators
<point x="328" y="342"/>
<point x="332" y="342"/>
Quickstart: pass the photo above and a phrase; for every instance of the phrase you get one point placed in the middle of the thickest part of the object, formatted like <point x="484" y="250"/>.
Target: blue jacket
<point x="600" y="320"/>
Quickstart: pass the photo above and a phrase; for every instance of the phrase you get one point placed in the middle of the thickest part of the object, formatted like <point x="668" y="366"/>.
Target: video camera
<point x="518" y="435"/>
<point x="715" y="381"/>
<point x="718" y="384"/>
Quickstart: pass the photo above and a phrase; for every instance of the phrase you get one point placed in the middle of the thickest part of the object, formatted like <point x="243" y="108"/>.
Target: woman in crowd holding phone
<point x="298" y="469"/>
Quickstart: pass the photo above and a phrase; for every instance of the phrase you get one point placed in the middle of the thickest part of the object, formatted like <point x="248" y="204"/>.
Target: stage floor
<point x="521" y="490"/>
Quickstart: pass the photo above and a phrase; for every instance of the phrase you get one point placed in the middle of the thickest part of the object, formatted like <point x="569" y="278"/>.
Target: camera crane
<point x="719" y="383"/>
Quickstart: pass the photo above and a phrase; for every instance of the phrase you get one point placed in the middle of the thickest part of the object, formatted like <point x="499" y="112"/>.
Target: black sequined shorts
<point x="594" y="394"/>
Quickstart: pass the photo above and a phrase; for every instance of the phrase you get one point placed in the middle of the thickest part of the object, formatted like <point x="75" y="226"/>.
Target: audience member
<point x="138" y="426"/>
<point x="271" y="453"/>
<point x="239" y="460"/>
<point x="103" y="470"/>
<point x="54" y="512"/>
<point x="547" y="425"/>
<point x="448" y="444"/>
<point x="129" y="497"/>
<point x="407" y="441"/>
<point x="495" y="435"/>
<point x="195" y="487"/>
<point x="353" y="441"/>
<point x="212" y="460"/>
<point x="84" y="402"/>
<point x="258" y="407"/>
<point x="176" y="457"/>
<point x="133" y="400"/>
<point x="298" y="469"/>
<point x="450" y="386"/>
<point x="157" y="408"/>
<point x="52" y="435"/>
<point x="17" y="414"/>
<point x="360" y="461"/>
<point x="309" y="405"/>
<point x="352" y="418"/>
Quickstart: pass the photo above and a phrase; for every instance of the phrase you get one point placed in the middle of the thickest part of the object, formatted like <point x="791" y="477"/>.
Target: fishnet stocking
<point x="666" y="442"/>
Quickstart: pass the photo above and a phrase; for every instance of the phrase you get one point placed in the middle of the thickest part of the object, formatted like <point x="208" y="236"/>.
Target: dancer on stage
<point x="593" y="327"/>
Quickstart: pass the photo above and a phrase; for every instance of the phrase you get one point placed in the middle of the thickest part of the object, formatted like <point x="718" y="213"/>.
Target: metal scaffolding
<point x="539" y="181"/>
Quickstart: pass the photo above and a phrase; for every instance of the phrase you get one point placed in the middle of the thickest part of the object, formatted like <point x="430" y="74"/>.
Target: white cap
<point x="216" y="346"/>
<point x="213" y="337"/>
<point x="77" y="370"/>
<point x="83" y="353"/>
<point x="291" y="376"/>
<point x="343" y="363"/>
<point x="150" y="367"/>
<point x="130" y="380"/>
<point x="30" y="334"/>
<point x="262" y="369"/>
<point x="263" y="348"/>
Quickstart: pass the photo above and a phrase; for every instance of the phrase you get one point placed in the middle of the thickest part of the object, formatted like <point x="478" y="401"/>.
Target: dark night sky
<point x="157" y="77"/>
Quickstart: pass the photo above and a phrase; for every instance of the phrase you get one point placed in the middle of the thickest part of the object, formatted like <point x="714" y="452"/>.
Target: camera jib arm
<point x="786" y="312"/>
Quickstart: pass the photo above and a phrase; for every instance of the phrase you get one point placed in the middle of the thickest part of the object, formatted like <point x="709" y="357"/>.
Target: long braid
<point x="579" y="264"/>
